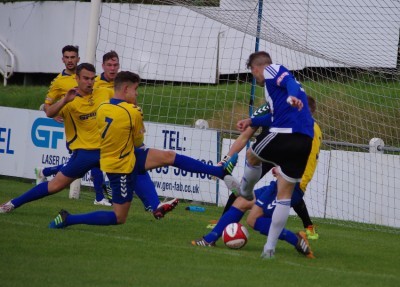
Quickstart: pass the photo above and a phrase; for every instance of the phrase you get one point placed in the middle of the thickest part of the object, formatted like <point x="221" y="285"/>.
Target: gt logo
<point x="46" y="133"/>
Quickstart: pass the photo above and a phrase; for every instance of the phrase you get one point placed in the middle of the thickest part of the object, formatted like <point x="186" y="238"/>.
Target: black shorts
<point x="288" y="151"/>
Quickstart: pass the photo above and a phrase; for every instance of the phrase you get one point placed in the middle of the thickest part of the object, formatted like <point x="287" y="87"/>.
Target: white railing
<point x="6" y="66"/>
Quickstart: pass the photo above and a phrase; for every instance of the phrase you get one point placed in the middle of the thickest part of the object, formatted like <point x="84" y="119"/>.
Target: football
<point x="201" y="124"/>
<point x="235" y="236"/>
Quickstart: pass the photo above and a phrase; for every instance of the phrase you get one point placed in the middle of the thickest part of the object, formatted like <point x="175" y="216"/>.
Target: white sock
<point x="251" y="176"/>
<point x="279" y="218"/>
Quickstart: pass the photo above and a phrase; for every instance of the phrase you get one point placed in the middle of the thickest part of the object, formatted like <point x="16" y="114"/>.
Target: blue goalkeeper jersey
<point x="279" y="85"/>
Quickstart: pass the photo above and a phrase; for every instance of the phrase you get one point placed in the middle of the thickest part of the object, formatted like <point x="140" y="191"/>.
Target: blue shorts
<point x="122" y="186"/>
<point x="266" y="197"/>
<point x="80" y="162"/>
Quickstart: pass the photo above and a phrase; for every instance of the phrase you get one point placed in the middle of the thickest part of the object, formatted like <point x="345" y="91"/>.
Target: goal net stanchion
<point x="343" y="53"/>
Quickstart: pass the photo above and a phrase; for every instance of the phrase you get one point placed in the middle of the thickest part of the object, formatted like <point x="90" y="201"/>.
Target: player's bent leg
<point x="255" y="212"/>
<point x="233" y="214"/>
<point x="121" y="211"/>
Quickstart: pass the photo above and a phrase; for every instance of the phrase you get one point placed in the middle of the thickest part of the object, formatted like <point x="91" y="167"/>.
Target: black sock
<point x="302" y="212"/>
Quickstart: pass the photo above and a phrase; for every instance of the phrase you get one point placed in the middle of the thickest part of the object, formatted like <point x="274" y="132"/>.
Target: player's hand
<point x="295" y="102"/>
<point x="70" y="96"/>
<point x="59" y="119"/>
<point x="243" y="124"/>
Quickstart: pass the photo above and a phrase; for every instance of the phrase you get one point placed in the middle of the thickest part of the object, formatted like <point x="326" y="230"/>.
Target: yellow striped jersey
<point x="312" y="158"/>
<point x="80" y="119"/>
<point x="121" y="129"/>
<point x="59" y="87"/>
<point x="101" y="81"/>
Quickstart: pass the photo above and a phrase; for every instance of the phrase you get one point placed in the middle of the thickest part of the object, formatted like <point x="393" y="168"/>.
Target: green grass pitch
<point x="149" y="252"/>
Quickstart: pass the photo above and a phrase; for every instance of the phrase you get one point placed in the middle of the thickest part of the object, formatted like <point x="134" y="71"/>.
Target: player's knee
<point x="121" y="219"/>
<point x="243" y="204"/>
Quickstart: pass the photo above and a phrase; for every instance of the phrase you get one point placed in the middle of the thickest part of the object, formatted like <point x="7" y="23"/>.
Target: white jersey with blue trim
<point x="279" y="85"/>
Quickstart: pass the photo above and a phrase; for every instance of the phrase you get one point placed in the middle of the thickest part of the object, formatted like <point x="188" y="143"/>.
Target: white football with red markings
<point x="235" y="235"/>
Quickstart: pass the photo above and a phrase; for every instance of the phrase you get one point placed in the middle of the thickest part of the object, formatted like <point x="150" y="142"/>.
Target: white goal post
<point x="191" y="56"/>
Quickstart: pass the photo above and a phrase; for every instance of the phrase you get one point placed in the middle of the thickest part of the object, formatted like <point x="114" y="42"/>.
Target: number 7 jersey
<point x="121" y="129"/>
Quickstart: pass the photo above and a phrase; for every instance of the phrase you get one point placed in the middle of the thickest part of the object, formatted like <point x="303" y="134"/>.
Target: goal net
<point x="191" y="56"/>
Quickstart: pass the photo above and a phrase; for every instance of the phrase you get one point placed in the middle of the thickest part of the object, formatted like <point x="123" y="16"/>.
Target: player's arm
<point x="52" y="95"/>
<point x="139" y="129"/>
<point x="54" y="109"/>
<point x="286" y="80"/>
<point x="241" y="141"/>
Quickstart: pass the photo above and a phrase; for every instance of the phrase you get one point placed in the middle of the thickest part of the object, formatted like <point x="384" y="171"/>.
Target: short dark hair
<point x="125" y="77"/>
<point x="258" y="58"/>
<point x="70" y="48"/>
<point x="110" y="55"/>
<point x="312" y="104"/>
<point x="86" y="66"/>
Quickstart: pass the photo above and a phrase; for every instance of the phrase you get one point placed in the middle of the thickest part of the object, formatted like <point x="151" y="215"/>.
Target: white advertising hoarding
<point x="29" y="139"/>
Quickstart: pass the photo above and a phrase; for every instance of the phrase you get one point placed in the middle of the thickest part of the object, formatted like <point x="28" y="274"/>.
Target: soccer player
<point x="300" y="208"/>
<point x="110" y="67"/>
<point x="65" y="81"/>
<point x="265" y="202"/>
<point x="120" y="123"/>
<point x="78" y="109"/>
<point x="287" y="144"/>
<point x="144" y="188"/>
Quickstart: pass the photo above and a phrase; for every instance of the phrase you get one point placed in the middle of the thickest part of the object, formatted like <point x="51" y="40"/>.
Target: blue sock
<point x="38" y="192"/>
<point x="98" y="179"/>
<point x="47" y="171"/>
<point x="262" y="225"/>
<point x="92" y="218"/>
<point x="232" y="215"/>
<point x="193" y="165"/>
<point x="146" y="191"/>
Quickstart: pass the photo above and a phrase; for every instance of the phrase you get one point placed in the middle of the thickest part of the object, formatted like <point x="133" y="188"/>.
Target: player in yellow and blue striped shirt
<point x="78" y="108"/>
<point x="65" y="81"/>
<point x="110" y="69"/>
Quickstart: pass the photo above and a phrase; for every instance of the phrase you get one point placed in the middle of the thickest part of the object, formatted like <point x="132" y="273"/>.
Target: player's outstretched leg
<point x="165" y="207"/>
<point x="64" y="219"/>
<point x="193" y="165"/>
<point x="234" y="214"/>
